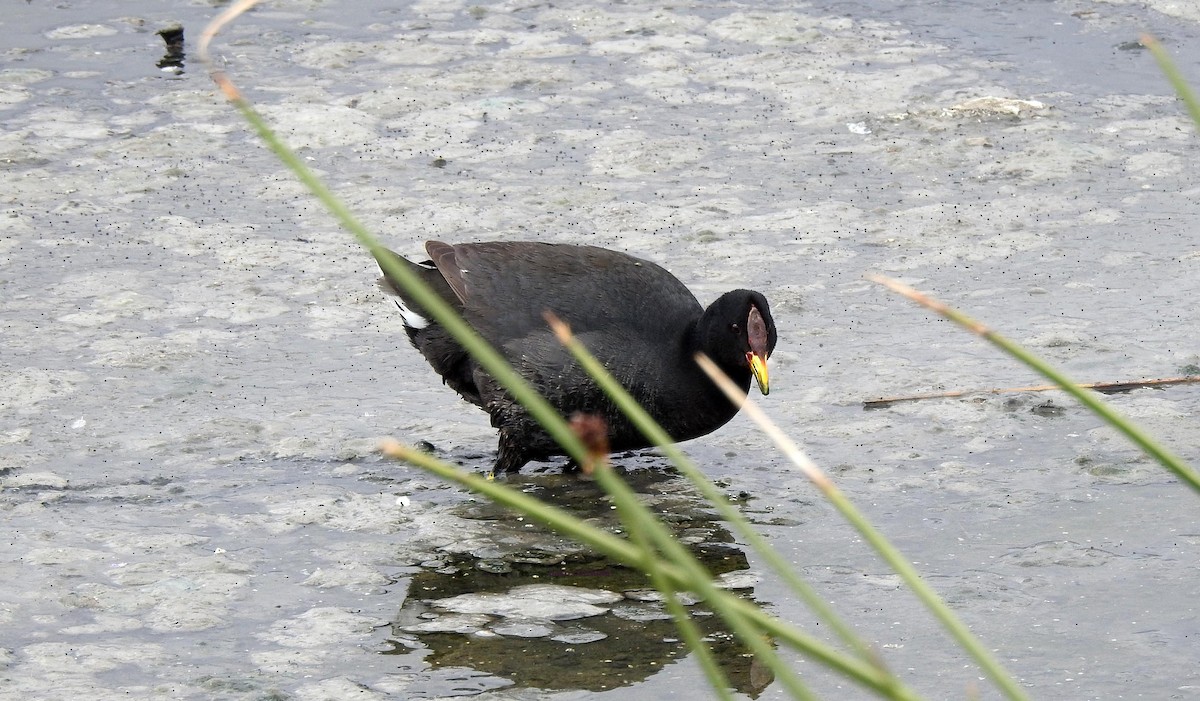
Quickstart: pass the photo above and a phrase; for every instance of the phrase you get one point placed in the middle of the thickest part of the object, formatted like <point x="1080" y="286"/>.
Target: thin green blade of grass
<point x="547" y="514"/>
<point x="430" y="301"/>
<point x="487" y="357"/>
<point x="444" y="315"/>
<point x="593" y="433"/>
<point x="855" y="669"/>
<point x="639" y="520"/>
<point x="890" y="554"/>
<point x="688" y="630"/>
<point x="869" y="675"/>
<point x="657" y="435"/>
<point x="1089" y="399"/>
<point x="1174" y="77"/>
<point x="479" y="350"/>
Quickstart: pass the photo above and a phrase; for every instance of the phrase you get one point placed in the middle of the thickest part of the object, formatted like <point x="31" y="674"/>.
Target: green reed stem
<point x="657" y="435"/>
<point x="1091" y="400"/>
<point x="1174" y="77"/>
<point x="429" y="300"/>
<point x="644" y="523"/>
<point x="688" y="629"/>
<point x="678" y="574"/>
<point x="957" y="629"/>
<point x="870" y="676"/>
<point x="890" y="554"/>
<point x="492" y="362"/>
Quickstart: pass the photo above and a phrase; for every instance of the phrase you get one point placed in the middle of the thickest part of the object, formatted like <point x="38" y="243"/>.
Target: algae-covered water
<point x="197" y="366"/>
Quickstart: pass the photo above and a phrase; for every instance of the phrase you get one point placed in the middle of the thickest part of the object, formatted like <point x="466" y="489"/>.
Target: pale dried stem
<point x="781" y="439"/>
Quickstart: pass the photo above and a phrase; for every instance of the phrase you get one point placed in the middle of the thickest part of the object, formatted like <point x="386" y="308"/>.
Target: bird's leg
<point x="510" y="456"/>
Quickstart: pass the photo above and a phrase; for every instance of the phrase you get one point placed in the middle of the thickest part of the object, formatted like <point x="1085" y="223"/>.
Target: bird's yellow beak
<point x="758" y="366"/>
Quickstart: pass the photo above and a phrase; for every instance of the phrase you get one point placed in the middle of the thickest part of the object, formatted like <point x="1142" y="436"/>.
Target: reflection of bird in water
<point x="481" y="602"/>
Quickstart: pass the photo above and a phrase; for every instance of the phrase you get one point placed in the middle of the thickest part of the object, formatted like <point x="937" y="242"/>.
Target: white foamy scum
<point x="197" y="365"/>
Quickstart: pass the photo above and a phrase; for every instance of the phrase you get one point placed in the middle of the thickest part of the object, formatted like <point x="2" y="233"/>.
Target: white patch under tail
<point x="411" y="319"/>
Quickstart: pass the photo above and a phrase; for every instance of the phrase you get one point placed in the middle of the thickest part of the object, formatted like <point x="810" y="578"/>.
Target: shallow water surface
<point x="197" y="365"/>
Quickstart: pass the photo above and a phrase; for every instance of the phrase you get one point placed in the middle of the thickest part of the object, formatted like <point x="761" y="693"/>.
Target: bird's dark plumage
<point x="636" y="317"/>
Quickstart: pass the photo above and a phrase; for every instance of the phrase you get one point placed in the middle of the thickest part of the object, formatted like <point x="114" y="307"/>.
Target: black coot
<point x="636" y="317"/>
